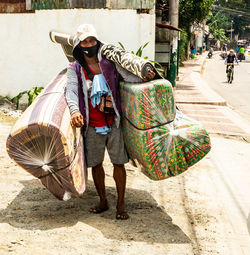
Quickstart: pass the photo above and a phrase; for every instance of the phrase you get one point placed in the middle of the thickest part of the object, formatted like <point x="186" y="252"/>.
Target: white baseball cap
<point x="84" y="31"/>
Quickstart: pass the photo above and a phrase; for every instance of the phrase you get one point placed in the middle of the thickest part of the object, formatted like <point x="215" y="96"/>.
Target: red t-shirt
<point x="96" y="118"/>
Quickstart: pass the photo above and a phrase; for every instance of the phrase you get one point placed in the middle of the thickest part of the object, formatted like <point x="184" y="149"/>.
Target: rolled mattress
<point x="158" y="136"/>
<point x="43" y="143"/>
<point x="132" y="63"/>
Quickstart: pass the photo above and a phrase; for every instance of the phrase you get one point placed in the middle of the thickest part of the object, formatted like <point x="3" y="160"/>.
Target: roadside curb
<point x="204" y="103"/>
<point x="199" y="93"/>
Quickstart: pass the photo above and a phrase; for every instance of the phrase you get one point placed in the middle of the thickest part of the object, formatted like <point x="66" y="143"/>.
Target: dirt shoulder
<point x="181" y="215"/>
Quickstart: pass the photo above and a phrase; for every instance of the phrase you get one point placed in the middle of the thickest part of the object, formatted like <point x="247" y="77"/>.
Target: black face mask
<point x="90" y="51"/>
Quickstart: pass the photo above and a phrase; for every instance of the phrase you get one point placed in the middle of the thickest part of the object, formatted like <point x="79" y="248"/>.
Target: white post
<point x="28" y="5"/>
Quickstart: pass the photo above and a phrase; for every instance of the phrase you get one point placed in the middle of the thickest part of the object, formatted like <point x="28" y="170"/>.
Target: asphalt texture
<point x="236" y="94"/>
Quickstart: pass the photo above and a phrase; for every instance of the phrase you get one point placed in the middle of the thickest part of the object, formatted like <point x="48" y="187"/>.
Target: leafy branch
<point x="32" y="94"/>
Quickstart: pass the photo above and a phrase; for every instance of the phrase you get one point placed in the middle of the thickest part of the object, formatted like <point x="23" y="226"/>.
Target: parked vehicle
<point x="247" y="54"/>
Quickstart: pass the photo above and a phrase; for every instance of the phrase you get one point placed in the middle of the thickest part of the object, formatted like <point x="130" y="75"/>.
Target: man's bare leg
<point x="120" y="180"/>
<point x="99" y="180"/>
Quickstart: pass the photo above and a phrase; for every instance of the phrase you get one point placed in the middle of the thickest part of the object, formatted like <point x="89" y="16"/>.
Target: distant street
<point x="236" y="94"/>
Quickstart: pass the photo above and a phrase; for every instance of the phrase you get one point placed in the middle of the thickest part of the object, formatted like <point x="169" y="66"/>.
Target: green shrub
<point x="183" y="47"/>
<point x="32" y="94"/>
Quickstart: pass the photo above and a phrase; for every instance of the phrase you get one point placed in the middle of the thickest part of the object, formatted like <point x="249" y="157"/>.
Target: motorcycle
<point x="223" y="54"/>
<point x="241" y="56"/>
<point x="210" y="53"/>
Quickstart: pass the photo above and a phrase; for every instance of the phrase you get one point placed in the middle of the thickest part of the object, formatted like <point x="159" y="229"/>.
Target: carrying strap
<point x="89" y="73"/>
<point x="77" y="68"/>
<point x="105" y="114"/>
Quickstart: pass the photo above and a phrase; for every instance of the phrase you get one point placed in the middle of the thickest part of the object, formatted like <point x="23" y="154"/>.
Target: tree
<point x="237" y="10"/>
<point x="193" y="11"/>
<point x="190" y="11"/>
<point x="218" y="23"/>
<point x="241" y="5"/>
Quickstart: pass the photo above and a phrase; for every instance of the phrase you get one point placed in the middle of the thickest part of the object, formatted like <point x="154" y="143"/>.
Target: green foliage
<point x="32" y="94"/>
<point x="241" y="5"/>
<point x="219" y="19"/>
<point x="240" y="19"/>
<point x="191" y="11"/>
<point x="138" y="52"/>
<point x="218" y="23"/>
<point x="183" y="47"/>
<point x="122" y="46"/>
<point x="239" y="25"/>
<point x="49" y="4"/>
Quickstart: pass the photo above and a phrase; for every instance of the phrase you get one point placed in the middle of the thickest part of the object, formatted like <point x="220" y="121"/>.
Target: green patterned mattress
<point x="147" y="105"/>
<point x="163" y="141"/>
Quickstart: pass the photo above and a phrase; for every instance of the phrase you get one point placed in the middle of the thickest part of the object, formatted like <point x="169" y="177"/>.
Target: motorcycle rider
<point x="241" y="53"/>
<point x="223" y="53"/>
<point x="210" y="53"/>
<point x="231" y="57"/>
<point x="224" y="48"/>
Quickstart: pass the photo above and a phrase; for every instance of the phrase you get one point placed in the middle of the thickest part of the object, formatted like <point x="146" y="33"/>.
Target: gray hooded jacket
<point x="72" y="87"/>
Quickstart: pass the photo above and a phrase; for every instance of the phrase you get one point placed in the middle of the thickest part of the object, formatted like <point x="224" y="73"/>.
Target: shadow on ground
<point x="187" y="64"/>
<point x="181" y="86"/>
<point x="248" y="223"/>
<point x="34" y="208"/>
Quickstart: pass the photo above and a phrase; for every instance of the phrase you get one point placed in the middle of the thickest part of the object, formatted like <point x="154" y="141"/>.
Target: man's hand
<point x="150" y="76"/>
<point x="76" y="120"/>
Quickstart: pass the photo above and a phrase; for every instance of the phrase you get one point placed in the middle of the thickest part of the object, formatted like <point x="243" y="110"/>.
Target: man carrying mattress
<point x="93" y="97"/>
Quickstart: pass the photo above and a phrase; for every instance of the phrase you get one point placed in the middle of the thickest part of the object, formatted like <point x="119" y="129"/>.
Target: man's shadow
<point x="248" y="223"/>
<point x="35" y="208"/>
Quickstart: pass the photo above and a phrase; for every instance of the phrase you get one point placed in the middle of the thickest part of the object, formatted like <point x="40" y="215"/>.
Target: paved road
<point x="236" y="94"/>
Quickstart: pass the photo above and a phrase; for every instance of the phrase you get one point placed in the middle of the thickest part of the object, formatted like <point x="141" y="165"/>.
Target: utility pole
<point x="174" y="21"/>
<point x="174" y="12"/>
<point x="231" y="31"/>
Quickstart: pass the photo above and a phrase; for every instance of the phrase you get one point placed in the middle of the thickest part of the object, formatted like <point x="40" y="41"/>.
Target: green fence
<point x="49" y="4"/>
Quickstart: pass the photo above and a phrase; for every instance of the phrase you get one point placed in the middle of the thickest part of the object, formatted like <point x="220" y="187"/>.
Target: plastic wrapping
<point x="157" y="135"/>
<point x="163" y="140"/>
<point x="44" y="144"/>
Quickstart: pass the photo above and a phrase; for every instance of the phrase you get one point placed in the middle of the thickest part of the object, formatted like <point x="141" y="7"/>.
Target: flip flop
<point x="122" y="215"/>
<point x="98" y="209"/>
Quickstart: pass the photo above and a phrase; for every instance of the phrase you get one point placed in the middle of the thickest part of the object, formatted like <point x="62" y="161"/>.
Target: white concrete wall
<point x="28" y="57"/>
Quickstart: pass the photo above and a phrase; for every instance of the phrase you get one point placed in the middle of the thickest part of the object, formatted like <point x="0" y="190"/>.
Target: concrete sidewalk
<point x="196" y="99"/>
